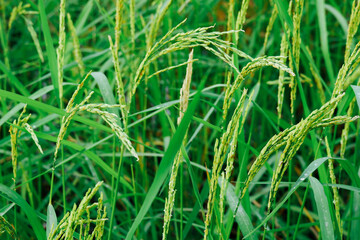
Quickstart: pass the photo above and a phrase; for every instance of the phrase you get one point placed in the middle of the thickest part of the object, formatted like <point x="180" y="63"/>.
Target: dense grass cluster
<point x="179" y="119"/>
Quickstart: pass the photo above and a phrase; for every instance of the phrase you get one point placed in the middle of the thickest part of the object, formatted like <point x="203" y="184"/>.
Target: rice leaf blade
<point x="166" y="163"/>
<point x="51" y="221"/>
<point x="30" y="213"/>
<point x="306" y="173"/>
<point x="326" y="227"/>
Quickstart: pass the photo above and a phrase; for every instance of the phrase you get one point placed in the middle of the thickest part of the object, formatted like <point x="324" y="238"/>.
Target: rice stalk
<point x="19" y="10"/>
<point x="74" y="219"/>
<point x="284" y="52"/>
<point x="230" y="16"/>
<point x="171" y="67"/>
<point x="231" y="157"/>
<point x="184" y="102"/>
<point x="335" y="190"/>
<point x="60" y="51"/>
<point x="295" y="56"/>
<point x="119" y="83"/>
<point x="295" y="139"/>
<point x="221" y="148"/>
<point x="76" y="52"/>
<point x="345" y="131"/>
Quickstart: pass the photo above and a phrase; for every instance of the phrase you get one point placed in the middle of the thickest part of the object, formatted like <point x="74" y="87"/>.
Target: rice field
<point x="179" y="119"/>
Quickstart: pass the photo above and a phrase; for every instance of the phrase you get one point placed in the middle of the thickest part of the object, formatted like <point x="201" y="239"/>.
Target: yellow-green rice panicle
<point x="335" y="191"/>
<point x="132" y="22"/>
<point x="353" y="26"/>
<point x="75" y="221"/>
<point x="251" y="67"/>
<point x="118" y="19"/>
<point x="111" y="119"/>
<point x="220" y="153"/>
<point x="349" y="57"/>
<point x="274" y="14"/>
<point x="296" y="42"/>
<point x="5" y="226"/>
<point x="284" y="50"/>
<point x="231" y="156"/>
<point x="21" y="122"/>
<point x="61" y="49"/>
<point x="279" y="140"/>
<point x="159" y="16"/>
<point x="241" y="17"/>
<point x="34" y="36"/>
<point x="119" y="83"/>
<point x="297" y="137"/>
<point x="30" y="130"/>
<point x="76" y="52"/>
<point x="70" y="113"/>
<point x="184" y="101"/>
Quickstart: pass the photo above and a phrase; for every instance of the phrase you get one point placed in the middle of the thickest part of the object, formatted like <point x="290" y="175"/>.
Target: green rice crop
<point x="178" y="119"/>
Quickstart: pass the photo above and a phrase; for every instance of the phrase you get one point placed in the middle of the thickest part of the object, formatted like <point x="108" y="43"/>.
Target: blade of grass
<point x="241" y="217"/>
<point x="320" y="8"/>
<point x="339" y="17"/>
<point x="50" y="109"/>
<point x="14" y="81"/>
<point x="307" y="172"/>
<point x="326" y="226"/>
<point x="165" y="164"/>
<point x="50" y="50"/>
<point x="106" y="90"/>
<point x="51" y="221"/>
<point x="30" y="213"/>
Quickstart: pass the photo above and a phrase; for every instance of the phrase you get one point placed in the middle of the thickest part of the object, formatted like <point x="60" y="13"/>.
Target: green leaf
<point x="339" y="17"/>
<point x="50" y="109"/>
<point x="30" y="213"/>
<point x="50" y="50"/>
<point x="106" y="91"/>
<point x="13" y="80"/>
<point x="51" y="221"/>
<point x="320" y="7"/>
<point x="326" y="227"/>
<point x="355" y="223"/>
<point x="350" y="170"/>
<point x="241" y="216"/>
<point x="166" y="163"/>
<point x="19" y="106"/>
<point x="357" y="93"/>
<point x="282" y="8"/>
<point x="307" y="172"/>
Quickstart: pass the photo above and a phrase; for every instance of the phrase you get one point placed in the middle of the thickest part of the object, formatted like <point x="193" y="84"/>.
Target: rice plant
<point x="184" y="119"/>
